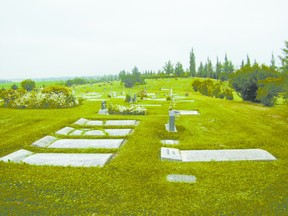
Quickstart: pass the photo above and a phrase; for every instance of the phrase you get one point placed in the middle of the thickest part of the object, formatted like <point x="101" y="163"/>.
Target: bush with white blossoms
<point x="124" y="110"/>
<point x="49" y="97"/>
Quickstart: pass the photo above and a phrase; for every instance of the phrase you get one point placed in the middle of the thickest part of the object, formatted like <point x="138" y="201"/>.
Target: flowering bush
<point x="123" y="110"/>
<point x="50" y="97"/>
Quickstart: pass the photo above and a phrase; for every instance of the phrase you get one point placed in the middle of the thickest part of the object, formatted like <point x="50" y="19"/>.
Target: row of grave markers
<point x="73" y="159"/>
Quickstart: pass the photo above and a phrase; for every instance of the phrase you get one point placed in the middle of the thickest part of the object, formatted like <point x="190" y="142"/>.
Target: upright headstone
<point x="103" y="105"/>
<point x="171" y="93"/>
<point x="171" y="124"/>
<point x="104" y="110"/>
<point x="135" y="98"/>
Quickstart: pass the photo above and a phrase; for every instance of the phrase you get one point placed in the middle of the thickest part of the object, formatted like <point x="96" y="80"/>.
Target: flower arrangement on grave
<point x="126" y="110"/>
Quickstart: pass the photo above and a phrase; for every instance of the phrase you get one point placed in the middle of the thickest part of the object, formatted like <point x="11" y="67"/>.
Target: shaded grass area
<point x="134" y="182"/>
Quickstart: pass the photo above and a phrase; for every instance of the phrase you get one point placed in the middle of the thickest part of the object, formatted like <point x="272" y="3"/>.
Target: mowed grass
<point x="134" y="182"/>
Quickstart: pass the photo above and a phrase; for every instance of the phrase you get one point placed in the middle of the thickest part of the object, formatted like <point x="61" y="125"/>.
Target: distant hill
<point x="5" y="81"/>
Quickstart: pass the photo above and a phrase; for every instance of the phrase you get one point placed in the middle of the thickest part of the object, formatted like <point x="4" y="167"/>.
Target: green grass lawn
<point x="134" y="182"/>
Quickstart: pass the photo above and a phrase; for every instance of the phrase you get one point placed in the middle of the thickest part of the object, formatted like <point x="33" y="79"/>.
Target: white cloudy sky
<point x="53" y="38"/>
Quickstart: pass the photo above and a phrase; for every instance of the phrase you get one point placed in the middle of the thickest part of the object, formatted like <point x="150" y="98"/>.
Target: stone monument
<point x="171" y="124"/>
<point x="103" y="110"/>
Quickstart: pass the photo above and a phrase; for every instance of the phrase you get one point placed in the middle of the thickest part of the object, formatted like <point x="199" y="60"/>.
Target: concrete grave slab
<point x="76" y="133"/>
<point x="44" y="142"/>
<point x="171" y="154"/>
<point x="94" y="123"/>
<point x="187" y="112"/>
<point x="181" y="178"/>
<point x="87" y="143"/>
<point x="121" y="123"/>
<point x="16" y="156"/>
<point x="118" y="132"/>
<point x="94" y="133"/>
<point x="81" y="121"/>
<point x="65" y="131"/>
<point x="64" y="159"/>
<point x="170" y="142"/>
<point x="225" y="155"/>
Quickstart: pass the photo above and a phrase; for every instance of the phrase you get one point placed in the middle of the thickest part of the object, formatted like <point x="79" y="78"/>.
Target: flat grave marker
<point x="87" y="143"/>
<point x="215" y="155"/>
<point x="94" y="133"/>
<point x="67" y="159"/>
<point x="44" y="142"/>
<point x="65" y="131"/>
<point x="170" y="142"/>
<point x="120" y="123"/>
<point x="181" y="178"/>
<point x="16" y="156"/>
<point x="225" y="155"/>
<point x="118" y="132"/>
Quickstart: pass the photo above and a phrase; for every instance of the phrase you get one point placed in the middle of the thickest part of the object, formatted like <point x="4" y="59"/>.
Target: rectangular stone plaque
<point x="81" y="121"/>
<point x="44" y="142"/>
<point x="16" y="156"/>
<point x="170" y="142"/>
<point x="118" y="132"/>
<point x="65" y="131"/>
<point x="120" y="122"/>
<point x="94" y="123"/>
<point x="225" y="155"/>
<point x="87" y="143"/>
<point x="64" y="159"/>
<point x="181" y="178"/>
<point x="94" y="133"/>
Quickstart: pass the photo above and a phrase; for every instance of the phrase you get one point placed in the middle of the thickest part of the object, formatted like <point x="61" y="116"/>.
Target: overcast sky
<point x="53" y="38"/>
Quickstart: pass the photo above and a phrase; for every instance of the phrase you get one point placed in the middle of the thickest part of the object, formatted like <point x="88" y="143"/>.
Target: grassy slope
<point x="134" y="182"/>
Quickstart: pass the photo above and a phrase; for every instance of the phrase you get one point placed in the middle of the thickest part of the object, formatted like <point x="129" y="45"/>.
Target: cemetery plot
<point x="58" y="159"/>
<point x="87" y="143"/>
<point x="215" y="155"/>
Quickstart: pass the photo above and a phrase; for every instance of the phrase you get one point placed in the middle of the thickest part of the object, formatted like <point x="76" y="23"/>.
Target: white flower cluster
<point x="131" y="110"/>
<point x="36" y="99"/>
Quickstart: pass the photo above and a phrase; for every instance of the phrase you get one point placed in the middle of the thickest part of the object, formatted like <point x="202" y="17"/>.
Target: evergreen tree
<point x="248" y="61"/>
<point x="192" y="64"/>
<point x="272" y="65"/>
<point x="210" y="70"/>
<point x="168" y="68"/>
<point x="218" y="68"/>
<point x="284" y="59"/>
<point x="201" y="70"/>
<point x="242" y="64"/>
<point x="179" y="71"/>
<point x="226" y="67"/>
